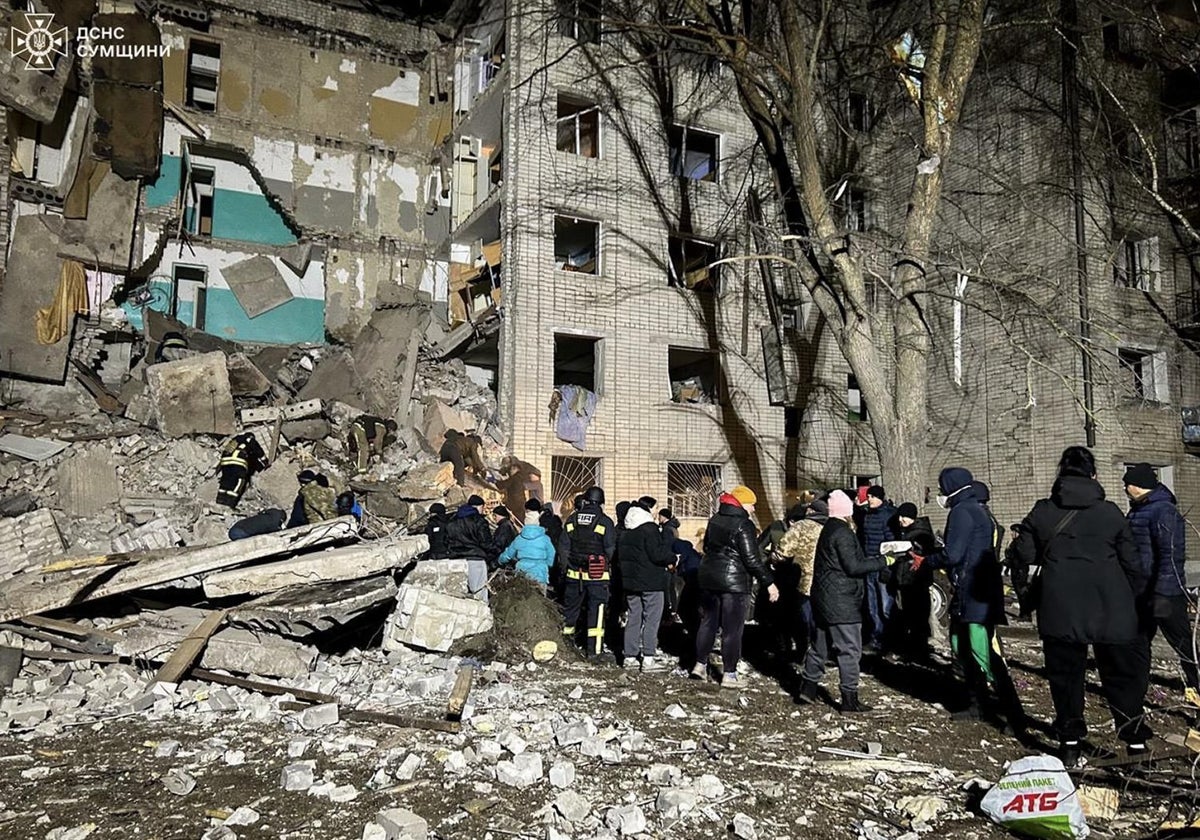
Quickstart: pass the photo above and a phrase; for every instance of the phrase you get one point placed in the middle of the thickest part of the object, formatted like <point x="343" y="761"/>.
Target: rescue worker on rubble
<point x="316" y="501"/>
<point x="463" y="451"/>
<point x="241" y="457"/>
<point x="370" y="435"/>
<point x="588" y="542"/>
<point x="172" y="348"/>
<point x="520" y="482"/>
<point x="435" y="531"/>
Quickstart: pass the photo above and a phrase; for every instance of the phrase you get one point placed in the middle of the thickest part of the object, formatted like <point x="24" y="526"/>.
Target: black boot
<point x="808" y="692"/>
<point x="852" y="705"/>
<point x="1071" y="753"/>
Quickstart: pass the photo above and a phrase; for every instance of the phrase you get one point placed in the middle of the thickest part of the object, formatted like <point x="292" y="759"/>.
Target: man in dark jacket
<point x="977" y="606"/>
<point x="875" y="530"/>
<point x="912" y="586"/>
<point x="506" y="530"/>
<point x="468" y="535"/>
<point x="1160" y="533"/>
<point x="435" y="530"/>
<point x="1091" y="579"/>
<point x="587" y="545"/>
<point x="838" y="588"/>
<point x="731" y="562"/>
<point x="645" y="556"/>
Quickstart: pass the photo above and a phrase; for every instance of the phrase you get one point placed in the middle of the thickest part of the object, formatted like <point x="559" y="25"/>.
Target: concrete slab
<point x="29" y="91"/>
<point x="104" y="239"/>
<point x="339" y="564"/>
<point x="27" y="541"/>
<point x="245" y="379"/>
<point x="30" y="284"/>
<point x="192" y="396"/>
<point x="30" y="448"/>
<point x="87" y="483"/>
<point x="301" y="611"/>
<point x="257" y="285"/>
<point x="432" y="620"/>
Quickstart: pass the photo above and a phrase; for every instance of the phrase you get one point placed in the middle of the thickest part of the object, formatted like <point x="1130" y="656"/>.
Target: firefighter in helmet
<point x="588" y="541"/>
<point x="241" y="457"/>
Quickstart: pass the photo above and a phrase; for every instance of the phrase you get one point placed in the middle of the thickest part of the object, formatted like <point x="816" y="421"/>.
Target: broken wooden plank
<point x="1131" y="760"/>
<point x="188" y="123"/>
<point x="106" y="399"/>
<point x="58" y="641"/>
<point x="190" y="648"/>
<point x="262" y="687"/>
<point x="70" y="564"/>
<point x="460" y="692"/>
<point x="70" y="628"/>
<point x="30" y="593"/>
<point x="371" y="716"/>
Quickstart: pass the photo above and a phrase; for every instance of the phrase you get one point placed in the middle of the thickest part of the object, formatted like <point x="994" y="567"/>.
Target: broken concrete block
<point x="743" y="827"/>
<point x="409" y="767"/>
<point x="28" y="541"/>
<point x="524" y="770"/>
<point x="439" y="417"/>
<point x="573" y="807"/>
<point x="426" y="482"/>
<point x="192" y="396"/>
<point x="313" y="429"/>
<point x="431" y="620"/>
<point x="257" y="285"/>
<point x="245" y="379"/>
<point x="339" y="564"/>
<point x="297" y="776"/>
<point x="318" y="717"/>
<point x="87" y="483"/>
<point x="673" y="803"/>
<point x="402" y="824"/>
<point x="562" y="774"/>
<point x="301" y="611"/>
<point x="626" y="820"/>
<point x="461" y="578"/>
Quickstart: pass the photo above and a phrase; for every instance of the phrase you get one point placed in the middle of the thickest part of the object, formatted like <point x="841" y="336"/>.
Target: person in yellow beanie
<point x="732" y="561"/>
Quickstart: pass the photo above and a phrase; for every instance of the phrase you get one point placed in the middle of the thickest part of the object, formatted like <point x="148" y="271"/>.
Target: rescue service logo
<point x="38" y="42"/>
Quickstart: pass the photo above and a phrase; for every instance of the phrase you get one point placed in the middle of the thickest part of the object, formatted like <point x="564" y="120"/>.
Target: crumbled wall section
<point x="5" y="167"/>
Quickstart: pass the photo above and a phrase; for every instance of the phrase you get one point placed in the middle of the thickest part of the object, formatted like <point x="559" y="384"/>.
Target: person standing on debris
<point x="468" y="536"/>
<point x="781" y="619"/>
<point x="370" y="435"/>
<point x="241" y="457"/>
<point x="521" y="482"/>
<point x="587" y="545"/>
<point x="435" y="532"/>
<point x="839" y="574"/>
<point x="731" y="563"/>
<point x="531" y="552"/>
<point x="645" y="556"/>
<point x="1160" y="533"/>
<point x="452" y="453"/>
<point x="877" y="513"/>
<point x="471" y="446"/>
<point x="914" y="536"/>
<point x="506" y="530"/>
<point x="1090" y="581"/>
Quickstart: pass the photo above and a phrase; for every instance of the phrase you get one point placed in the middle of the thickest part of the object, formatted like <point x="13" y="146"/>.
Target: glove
<point x="895" y="547"/>
<point x="889" y="559"/>
<point x="917" y="561"/>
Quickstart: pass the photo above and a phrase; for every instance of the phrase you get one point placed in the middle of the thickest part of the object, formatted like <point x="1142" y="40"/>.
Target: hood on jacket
<point x="953" y="479"/>
<point x="531" y="532"/>
<point x="1159" y="494"/>
<point x="982" y="493"/>
<point x="730" y="508"/>
<point x="1075" y="491"/>
<point x="467" y="511"/>
<point x="727" y="500"/>
<point x="637" y="516"/>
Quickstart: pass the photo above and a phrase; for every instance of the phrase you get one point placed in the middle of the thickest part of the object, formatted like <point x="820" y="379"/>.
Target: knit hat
<point x="796" y="512"/>
<point x="908" y="510"/>
<point x="437" y="509"/>
<point x="878" y="492"/>
<point x="476" y="500"/>
<point x="533" y="504"/>
<point x="1140" y="475"/>
<point x="665" y="513"/>
<point x="305" y="476"/>
<point x="744" y="495"/>
<point x="499" y="510"/>
<point x="840" y="506"/>
<point x="817" y="509"/>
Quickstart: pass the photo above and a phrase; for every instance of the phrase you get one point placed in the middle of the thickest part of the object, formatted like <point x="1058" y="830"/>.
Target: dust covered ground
<point x="652" y="731"/>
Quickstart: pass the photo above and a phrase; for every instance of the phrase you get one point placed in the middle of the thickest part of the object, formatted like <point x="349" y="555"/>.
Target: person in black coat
<point x="645" y="557"/>
<point x="838" y="589"/>
<point x="731" y="563"/>
<point x="875" y="529"/>
<point x="1090" y="581"/>
<point x="468" y="535"/>
<point x="506" y="530"/>
<point x="435" y="531"/>
<point x="912" y="586"/>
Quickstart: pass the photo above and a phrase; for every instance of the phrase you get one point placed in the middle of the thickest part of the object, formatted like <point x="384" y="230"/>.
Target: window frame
<point x="191" y="72"/>
<point x="597" y="243"/>
<point x="677" y="272"/>
<point x="585" y="107"/>
<point x="678" y="154"/>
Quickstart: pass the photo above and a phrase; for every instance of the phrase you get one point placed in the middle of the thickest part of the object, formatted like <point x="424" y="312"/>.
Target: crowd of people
<point x="848" y="573"/>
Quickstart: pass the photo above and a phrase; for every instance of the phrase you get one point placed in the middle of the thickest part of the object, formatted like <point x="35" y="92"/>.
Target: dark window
<point x="1110" y="31"/>
<point x="857" y="209"/>
<point x="694" y="154"/>
<point x="576" y="361"/>
<point x="691" y="264"/>
<point x="203" y="72"/>
<point x="580" y="19"/>
<point x="1145" y="374"/>
<point x="578" y="127"/>
<point x="203" y="189"/>
<point x="577" y="245"/>
<point x="859" y="111"/>
<point x="856" y="406"/>
<point x="694" y="375"/>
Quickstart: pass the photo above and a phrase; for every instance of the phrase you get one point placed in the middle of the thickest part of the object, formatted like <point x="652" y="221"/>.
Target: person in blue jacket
<point x="532" y="551"/>
<point x="1160" y="534"/>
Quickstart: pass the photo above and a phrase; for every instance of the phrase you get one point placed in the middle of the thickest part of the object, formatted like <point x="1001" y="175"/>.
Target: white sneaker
<point x="649" y="664"/>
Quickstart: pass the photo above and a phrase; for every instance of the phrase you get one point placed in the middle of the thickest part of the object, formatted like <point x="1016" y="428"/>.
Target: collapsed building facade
<point x="582" y="235"/>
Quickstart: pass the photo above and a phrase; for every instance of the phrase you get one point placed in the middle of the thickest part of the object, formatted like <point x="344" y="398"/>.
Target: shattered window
<point x="693" y="375"/>
<point x="203" y="72"/>
<point x="1136" y="264"/>
<point x="577" y="244"/>
<point x="571" y="476"/>
<point x="857" y="218"/>
<point x="580" y="19"/>
<point x="693" y="489"/>
<point x="1145" y="374"/>
<point x="578" y="127"/>
<point x="1183" y="147"/>
<point x="691" y="264"/>
<point x="694" y="153"/>
<point x="201" y="200"/>
<point x="576" y="361"/>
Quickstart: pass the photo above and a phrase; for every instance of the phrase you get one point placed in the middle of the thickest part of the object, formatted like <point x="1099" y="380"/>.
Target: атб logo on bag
<point x="37" y="43"/>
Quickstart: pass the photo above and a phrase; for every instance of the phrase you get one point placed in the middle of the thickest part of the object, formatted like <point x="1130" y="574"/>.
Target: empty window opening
<point x="857" y="210"/>
<point x="1184" y="141"/>
<point x="571" y="476"/>
<point x="856" y="406"/>
<point x="203" y="189"/>
<point x="577" y="245"/>
<point x="793" y="421"/>
<point x="580" y="19"/>
<point x="578" y="127"/>
<point x="1136" y="264"/>
<point x="1145" y="374"/>
<point x="694" y="375"/>
<point x="577" y="361"/>
<point x="189" y="299"/>
<point x="203" y="72"/>
<point x="1110" y="31"/>
<point x="693" y="489"/>
<point x="691" y="264"/>
<point x="858" y="109"/>
<point x="694" y="153"/>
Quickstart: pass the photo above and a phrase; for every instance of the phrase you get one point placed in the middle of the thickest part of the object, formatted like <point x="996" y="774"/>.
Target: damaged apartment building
<point x="266" y="173"/>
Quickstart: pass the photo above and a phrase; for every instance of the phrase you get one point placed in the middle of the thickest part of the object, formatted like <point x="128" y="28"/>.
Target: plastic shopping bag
<point x="1036" y="798"/>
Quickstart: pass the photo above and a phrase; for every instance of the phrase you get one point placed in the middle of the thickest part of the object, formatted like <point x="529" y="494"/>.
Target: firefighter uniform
<point x="588" y="541"/>
<point x="241" y="457"/>
<point x="370" y="435"/>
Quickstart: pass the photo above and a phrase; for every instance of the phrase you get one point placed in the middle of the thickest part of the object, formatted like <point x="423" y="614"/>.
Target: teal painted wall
<point x="300" y="320"/>
<point x="244" y="217"/>
<point x="170" y="177"/>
